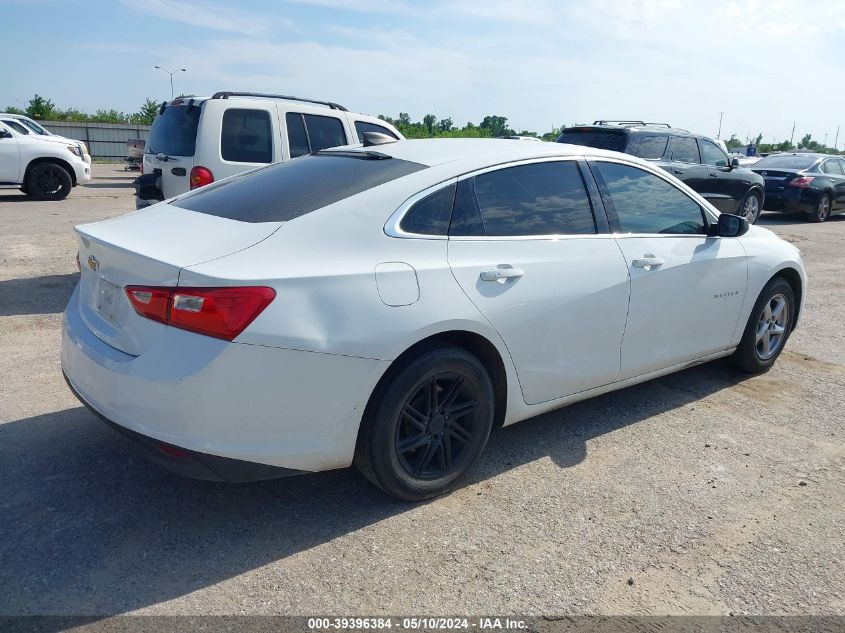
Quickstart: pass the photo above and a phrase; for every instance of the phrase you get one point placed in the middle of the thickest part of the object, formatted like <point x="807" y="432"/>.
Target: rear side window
<point x="651" y="147"/>
<point x="365" y="126"/>
<point x="324" y="131"/>
<point x="832" y="167"/>
<point x="312" y="132"/>
<point x="285" y="191"/>
<point x="174" y="131"/>
<point x="247" y="136"/>
<point x="684" y="149"/>
<point x="601" y="139"/>
<point x="711" y="154"/>
<point x="644" y="203"/>
<point x="431" y="215"/>
<point x="538" y="199"/>
<point x="297" y="138"/>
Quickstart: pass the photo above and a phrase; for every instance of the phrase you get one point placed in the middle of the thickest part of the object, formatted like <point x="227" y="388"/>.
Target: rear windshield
<point x="284" y="191"/>
<point x="174" y="131"/>
<point x="601" y="139"/>
<point x="785" y="162"/>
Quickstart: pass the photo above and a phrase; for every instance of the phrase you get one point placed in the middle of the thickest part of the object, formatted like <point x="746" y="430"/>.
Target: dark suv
<point x="694" y="159"/>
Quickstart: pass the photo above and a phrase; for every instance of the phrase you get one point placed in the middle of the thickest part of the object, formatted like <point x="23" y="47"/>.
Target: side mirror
<point x="734" y="163"/>
<point x="5" y="134"/>
<point x="730" y="226"/>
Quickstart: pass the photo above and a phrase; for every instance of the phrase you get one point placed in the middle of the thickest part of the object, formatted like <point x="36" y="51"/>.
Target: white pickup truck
<point x="44" y="167"/>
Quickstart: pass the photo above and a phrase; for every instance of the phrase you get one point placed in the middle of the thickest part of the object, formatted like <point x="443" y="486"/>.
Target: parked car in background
<point x="44" y="167"/>
<point x="195" y="141"/>
<point x="694" y="159"/>
<point x="801" y="182"/>
<point x="33" y="127"/>
<point x="305" y="316"/>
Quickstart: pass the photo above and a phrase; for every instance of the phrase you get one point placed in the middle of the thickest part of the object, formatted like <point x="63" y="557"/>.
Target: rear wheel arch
<point x="474" y="343"/>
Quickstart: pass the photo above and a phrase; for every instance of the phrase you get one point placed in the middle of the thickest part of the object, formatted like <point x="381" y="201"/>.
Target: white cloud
<point x="208" y="15"/>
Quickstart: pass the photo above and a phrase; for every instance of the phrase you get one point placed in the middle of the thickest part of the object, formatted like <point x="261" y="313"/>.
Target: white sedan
<point x="390" y="305"/>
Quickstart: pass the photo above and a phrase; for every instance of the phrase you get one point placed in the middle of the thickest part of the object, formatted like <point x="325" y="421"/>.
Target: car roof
<point x="484" y="151"/>
<point x="651" y="128"/>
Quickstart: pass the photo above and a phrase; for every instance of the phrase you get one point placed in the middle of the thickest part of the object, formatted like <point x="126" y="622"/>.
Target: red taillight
<point x="150" y="302"/>
<point x="218" y="312"/>
<point x="142" y="167"/>
<point x="201" y="176"/>
<point x="801" y="181"/>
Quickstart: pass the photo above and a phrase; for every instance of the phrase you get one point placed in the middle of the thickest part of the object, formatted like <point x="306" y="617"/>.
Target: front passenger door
<point x="687" y="289"/>
<point x="10" y="158"/>
<point x="725" y="187"/>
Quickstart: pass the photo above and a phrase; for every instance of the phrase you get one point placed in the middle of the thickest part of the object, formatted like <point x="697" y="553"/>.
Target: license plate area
<point x="106" y="300"/>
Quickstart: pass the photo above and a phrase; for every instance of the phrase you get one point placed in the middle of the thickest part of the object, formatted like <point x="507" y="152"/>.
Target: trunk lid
<point x="776" y="179"/>
<point x="148" y="248"/>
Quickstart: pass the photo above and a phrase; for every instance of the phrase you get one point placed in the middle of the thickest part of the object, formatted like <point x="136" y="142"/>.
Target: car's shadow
<point x="88" y="527"/>
<point x="791" y="219"/>
<point x="108" y="185"/>
<point x="36" y="295"/>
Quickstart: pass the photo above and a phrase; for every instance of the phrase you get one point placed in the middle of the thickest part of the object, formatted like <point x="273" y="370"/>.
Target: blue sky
<point x="541" y="63"/>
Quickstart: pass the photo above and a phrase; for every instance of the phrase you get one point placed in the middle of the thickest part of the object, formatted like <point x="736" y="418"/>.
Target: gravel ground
<point x="704" y="492"/>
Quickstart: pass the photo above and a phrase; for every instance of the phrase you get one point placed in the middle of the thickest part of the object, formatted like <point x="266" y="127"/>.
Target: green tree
<point x="445" y="125"/>
<point x="41" y="108"/>
<point x="404" y="118"/>
<point x="14" y="110"/>
<point x="428" y="122"/>
<point x="759" y="139"/>
<point x="147" y="114"/>
<point x="733" y="142"/>
<point x="109" y="116"/>
<point x="497" y="125"/>
<point x="806" y="142"/>
<point x="785" y="146"/>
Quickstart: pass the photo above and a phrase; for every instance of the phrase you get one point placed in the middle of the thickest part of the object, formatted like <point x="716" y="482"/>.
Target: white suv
<point x="44" y="167"/>
<point x="25" y="125"/>
<point x="197" y="140"/>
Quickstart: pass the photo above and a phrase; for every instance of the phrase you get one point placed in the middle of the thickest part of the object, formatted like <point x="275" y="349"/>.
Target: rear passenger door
<point x="308" y="133"/>
<point x="528" y="250"/>
<point x="833" y="168"/>
<point x="725" y="186"/>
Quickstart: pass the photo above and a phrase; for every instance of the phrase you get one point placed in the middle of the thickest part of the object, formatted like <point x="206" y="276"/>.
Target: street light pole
<point x="719" y="133"/>
<point x="178" y="70"/>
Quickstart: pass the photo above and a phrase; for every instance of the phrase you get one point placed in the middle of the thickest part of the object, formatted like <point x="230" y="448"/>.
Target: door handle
<point x="501" y="274"/>
<point x="712" y="175"/>
<point x="178" y="171"/>
<point x="678" y="171"/>
<point x="648" y="261"/>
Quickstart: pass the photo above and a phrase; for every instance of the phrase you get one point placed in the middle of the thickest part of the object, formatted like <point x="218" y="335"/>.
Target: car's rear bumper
<point x="791" y="200"/>
<point x="274" y="407"/>
<point x="188" y="463"/>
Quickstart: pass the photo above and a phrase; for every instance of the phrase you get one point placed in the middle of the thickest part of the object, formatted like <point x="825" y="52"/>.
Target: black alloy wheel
<point x="426" y="424"/>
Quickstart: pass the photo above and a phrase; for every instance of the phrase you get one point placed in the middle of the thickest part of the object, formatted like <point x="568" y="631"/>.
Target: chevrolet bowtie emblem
<point x="93" y="262"/>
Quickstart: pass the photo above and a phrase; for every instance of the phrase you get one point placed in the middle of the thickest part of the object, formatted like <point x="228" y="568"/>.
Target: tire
<point x="48" y="181"/>
<point x="773" y="314"/>
<point x="413" y="450"/>
<point x="822" y="210"/>
<point x="750" y="207"/>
